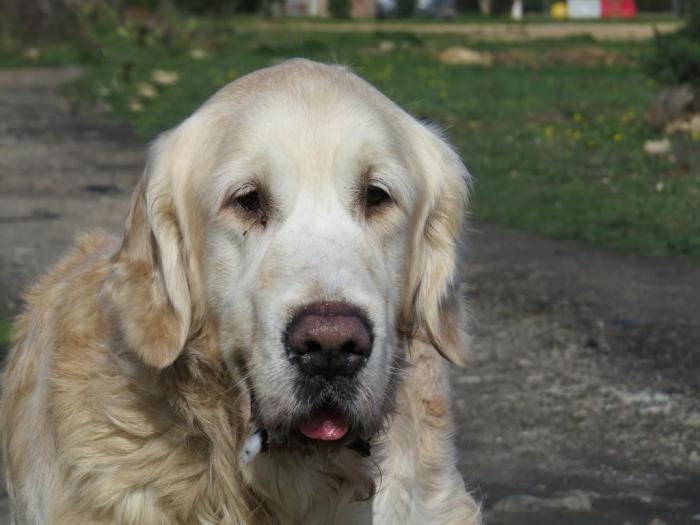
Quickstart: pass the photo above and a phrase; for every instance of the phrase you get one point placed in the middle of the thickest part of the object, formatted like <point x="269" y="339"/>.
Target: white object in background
<point x="585" y="8"/>
<point x="516" y="11"/>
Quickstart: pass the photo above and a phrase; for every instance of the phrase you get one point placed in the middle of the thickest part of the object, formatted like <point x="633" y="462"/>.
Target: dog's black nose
<point x="329" y="339"/>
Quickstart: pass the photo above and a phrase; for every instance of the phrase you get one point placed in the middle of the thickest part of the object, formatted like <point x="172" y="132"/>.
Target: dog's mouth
<point x="323" y="428"/>
<point x="324" y="424"/>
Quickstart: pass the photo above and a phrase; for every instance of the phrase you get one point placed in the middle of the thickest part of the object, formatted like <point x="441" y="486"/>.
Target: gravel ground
<point x="581" y="402"/>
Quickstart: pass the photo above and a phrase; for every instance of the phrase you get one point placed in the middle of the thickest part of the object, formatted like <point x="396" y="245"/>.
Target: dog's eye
<point x="249" y="201"/>
<point x="376" y="197"/>
<point x="250" y="204"/>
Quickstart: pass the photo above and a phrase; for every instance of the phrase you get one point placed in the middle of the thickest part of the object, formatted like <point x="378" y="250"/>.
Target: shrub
<point x="148" y="4"/>
<point x="339" y="8"/>
<point x="654" y="6"/>
<point x="405" y="8"/>
<point x="676" y="56"/>
<point x="206" y="6"/>
<point x="35" y="22"/>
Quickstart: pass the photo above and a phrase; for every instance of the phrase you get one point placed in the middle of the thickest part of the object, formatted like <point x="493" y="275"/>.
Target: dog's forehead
<point x="300" y="112"/>
<point x="300" y="96"/>
<point x="296" y="77"/>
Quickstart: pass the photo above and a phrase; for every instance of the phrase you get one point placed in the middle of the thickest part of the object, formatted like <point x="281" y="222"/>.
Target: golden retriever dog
<point x="267" y="342"/>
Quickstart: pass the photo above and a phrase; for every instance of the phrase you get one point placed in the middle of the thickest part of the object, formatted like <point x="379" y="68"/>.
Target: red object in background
<point x="618" y="8"/>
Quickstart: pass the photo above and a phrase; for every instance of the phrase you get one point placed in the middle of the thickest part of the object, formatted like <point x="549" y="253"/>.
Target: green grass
<point x="555" y="149"/>
<point x="4" y="331"/>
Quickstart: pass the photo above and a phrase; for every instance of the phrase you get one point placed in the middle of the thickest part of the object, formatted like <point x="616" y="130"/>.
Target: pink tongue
<point x="326" y="426"/>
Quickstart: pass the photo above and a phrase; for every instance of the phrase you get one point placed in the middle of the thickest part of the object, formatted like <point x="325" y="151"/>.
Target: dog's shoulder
<point x="68" y="289"/>
<point x="86" y="259"/>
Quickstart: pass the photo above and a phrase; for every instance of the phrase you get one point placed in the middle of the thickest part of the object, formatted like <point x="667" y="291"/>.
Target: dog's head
<point x="313" y="226"/>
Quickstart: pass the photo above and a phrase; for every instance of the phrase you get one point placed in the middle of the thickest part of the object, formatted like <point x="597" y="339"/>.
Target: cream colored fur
<point x="127" y="393"/>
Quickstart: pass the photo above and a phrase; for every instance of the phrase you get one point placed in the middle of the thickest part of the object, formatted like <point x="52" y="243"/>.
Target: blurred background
<point x="580" y="123"/>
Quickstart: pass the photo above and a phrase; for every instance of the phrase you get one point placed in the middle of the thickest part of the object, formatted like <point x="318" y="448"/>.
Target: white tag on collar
<point x="252" y="446"/>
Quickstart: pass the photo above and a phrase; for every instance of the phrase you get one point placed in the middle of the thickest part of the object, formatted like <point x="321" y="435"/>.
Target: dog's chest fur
<point x="313" y="490"/>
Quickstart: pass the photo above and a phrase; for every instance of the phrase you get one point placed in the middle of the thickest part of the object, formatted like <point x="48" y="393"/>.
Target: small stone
<point x="655" y="410"/>
<point x="690" y="124"/>
<point x="387" y="46"/>
<point x="135" y="106"/>
<point x="31" y="53"/>
<point x="669" y="105"/>
<point x="198" y="54"/>
<point x="657" y="147"/>
<point x="659" y="186"/>
<point x="643" y="398"/>
<point x="458" y="55"/>
<point x="694" y="457"/>
<point x="164" y="78"/>
<point x="146" y="90"/>
<point x="693" y="420"/>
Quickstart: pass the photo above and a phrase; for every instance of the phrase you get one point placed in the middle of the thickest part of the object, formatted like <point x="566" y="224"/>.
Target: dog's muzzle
<point x="329" y="342"/>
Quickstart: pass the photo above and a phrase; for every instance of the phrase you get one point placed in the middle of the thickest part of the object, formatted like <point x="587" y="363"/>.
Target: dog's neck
<point x="309" y="489"/>
<point x="325" y="483"/>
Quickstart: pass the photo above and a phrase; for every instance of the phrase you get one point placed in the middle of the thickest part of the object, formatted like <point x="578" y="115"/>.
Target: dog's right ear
<point x="147" y="287"/>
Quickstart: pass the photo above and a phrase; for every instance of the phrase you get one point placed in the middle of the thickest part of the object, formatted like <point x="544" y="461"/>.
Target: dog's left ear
<point x="434" y="300"/>
<point x="147" y="286"/>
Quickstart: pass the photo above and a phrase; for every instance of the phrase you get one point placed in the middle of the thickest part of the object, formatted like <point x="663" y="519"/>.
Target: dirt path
<point x="584" y="389"/>
<point x="581" y="403"/>
<point x="61" y="172"/>
<point x="503" y="32"/>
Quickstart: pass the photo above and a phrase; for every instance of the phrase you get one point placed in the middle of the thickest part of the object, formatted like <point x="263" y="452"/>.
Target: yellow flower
<point x="548" y="132"/>
<point x="618" y="137"/>
<point x="629" y="116"/>
<point x="578" y="117"/>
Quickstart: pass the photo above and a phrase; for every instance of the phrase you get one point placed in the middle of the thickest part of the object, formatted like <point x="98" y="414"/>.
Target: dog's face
<point x="312" y="225"/>
<point x="306" y="257"/>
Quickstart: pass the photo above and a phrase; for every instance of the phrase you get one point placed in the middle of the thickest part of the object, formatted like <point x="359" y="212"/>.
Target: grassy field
<point x="553" y="139"/>
<point x="4" y="332"/>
